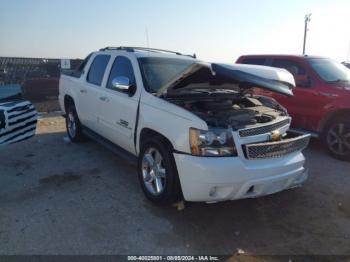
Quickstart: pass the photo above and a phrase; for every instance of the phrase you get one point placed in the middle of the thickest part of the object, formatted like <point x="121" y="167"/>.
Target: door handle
<point x="327" y="94"/>
<point x="104" y="98"/>
<point x="83" y="91"/>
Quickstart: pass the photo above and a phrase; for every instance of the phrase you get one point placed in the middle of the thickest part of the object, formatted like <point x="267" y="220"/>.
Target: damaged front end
<point x="228" y="109"/>
<point x="239" y="144"/>
<point x="221" y="95"/>
<point x="239" y="123"/>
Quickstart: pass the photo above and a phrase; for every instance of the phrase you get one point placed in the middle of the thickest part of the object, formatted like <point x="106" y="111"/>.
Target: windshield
<point x="156" y="71"/>
<point x="329" y="70"/>
<point x="10" y="91"/>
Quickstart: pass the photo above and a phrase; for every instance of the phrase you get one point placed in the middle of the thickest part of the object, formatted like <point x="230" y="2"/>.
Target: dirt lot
<point x="62" y="198"/>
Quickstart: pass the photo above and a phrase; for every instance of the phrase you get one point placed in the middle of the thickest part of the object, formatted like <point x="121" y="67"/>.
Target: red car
<point x="321" y="101"/>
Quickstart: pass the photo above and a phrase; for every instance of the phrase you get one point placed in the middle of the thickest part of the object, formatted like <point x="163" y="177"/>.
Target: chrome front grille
<point x="263" y="129"/>
<point x="21" y="113"/>
<point x="276" y="149"/>
<point x="19" y="123"/>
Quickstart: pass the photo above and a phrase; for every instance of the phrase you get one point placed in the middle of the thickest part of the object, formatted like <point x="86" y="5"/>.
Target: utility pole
<point x="307" y="20"/>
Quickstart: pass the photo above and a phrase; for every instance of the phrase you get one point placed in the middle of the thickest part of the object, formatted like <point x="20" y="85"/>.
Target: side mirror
<point x="302" y="80"/>
<point x="121" y="83"/>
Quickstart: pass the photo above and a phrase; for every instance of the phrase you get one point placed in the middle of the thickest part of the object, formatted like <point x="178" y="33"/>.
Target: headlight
<point x="215" y="142"/>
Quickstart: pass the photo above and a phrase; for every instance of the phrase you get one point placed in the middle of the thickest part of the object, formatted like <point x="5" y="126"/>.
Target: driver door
<point x="119" y="107"/>
<point x="304" y="104"/>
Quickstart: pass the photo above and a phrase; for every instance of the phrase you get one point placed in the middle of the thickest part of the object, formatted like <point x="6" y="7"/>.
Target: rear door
<point x="304" y="105"/>
<point x="88" y="110"/>
<point x="118" y="108"/>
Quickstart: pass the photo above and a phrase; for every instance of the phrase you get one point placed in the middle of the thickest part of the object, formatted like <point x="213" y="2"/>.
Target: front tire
<point x="73" y="125"/>
<point x="336" y="137"/>
<point x="157" y="172"/>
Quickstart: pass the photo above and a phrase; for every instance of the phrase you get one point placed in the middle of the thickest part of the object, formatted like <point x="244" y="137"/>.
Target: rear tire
<point x="73" y="125"/>
<point x="336" y="138"/>
<point x="157" y="172"/>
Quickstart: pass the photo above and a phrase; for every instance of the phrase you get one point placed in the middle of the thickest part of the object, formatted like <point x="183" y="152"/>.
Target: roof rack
<point x="133" y="48"/>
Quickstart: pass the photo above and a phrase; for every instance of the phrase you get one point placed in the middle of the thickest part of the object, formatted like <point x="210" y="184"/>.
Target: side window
<point x="78" y="71"/>
<point x="294" y="68"/>
<point x="302" y="79"/>
<point x="122" y="67"/>
<point x="97" y="69"/>
<point x="254" y="61"/>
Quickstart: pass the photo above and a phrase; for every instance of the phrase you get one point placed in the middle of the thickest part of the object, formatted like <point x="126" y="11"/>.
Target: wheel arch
<point x="174" y="189"/>
<point x="68" y="100"/>
<point x="148" y="132"/>
<point x="331" y="116"/>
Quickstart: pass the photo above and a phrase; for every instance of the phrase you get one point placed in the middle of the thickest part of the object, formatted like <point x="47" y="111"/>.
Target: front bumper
<point x="212" y="179"/>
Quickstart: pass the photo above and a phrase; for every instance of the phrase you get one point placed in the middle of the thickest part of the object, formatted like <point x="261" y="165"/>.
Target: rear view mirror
<point x="121" y="83"/>
<point x="302" y="81"/>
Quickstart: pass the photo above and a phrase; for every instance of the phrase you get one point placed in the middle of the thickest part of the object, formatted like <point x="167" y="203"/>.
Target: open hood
<point x="223" y="76"/>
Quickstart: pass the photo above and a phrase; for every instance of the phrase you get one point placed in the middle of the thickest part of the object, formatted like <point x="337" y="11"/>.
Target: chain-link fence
<point x="37" y="77"/>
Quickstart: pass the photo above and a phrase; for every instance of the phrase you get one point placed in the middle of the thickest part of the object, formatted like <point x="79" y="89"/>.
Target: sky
<point x="219" y="30"/>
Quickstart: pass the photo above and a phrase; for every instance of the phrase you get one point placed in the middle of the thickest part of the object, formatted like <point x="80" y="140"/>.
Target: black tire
<point x="336" y="138"/>
<point x="172" y="189"/>
<point x="73" y="119"/>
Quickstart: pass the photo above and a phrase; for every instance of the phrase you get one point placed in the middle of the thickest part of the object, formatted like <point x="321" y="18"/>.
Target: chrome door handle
<point x="328" y="94"/>
<point x="104" y="98"/>
<point x="83" y="91"/>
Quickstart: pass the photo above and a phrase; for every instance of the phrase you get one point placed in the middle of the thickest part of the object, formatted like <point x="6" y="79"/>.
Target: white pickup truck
<point x="194" y="128"/>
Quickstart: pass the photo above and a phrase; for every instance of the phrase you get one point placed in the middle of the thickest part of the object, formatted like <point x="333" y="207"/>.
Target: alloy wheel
<point x="153" y="171"/>
<point x="71" y="124"/>
<point x="338" y="139"/>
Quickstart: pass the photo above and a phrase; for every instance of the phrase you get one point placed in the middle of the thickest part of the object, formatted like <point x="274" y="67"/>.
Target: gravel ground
<point x="47" y="105"/>
<point x="61" y="198"/>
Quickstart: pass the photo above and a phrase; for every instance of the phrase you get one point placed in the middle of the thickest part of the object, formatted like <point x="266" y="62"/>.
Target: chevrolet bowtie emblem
<point x="275" y="135"/>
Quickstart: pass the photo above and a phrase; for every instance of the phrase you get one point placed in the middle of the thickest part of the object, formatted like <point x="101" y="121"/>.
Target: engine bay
<point x="231" y="111"/>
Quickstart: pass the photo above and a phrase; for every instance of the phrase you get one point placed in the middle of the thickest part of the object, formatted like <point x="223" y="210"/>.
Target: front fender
<point x="169" y="120"/>
<point x="337" y="107"/>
